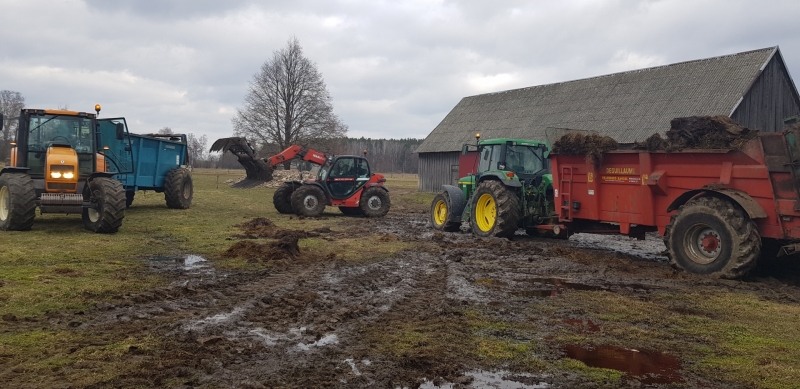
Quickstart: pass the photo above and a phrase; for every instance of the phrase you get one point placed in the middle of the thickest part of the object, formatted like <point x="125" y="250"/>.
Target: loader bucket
<point x="257" y="169"/>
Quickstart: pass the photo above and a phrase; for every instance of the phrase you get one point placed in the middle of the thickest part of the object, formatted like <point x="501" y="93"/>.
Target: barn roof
<point x="627" y="106"/>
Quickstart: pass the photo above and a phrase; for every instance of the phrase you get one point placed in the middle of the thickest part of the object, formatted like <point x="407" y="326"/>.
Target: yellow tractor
<point x="59" y="164"/>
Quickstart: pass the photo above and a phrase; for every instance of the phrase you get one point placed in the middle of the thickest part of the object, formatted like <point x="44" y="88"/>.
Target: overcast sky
<point x="393" y="68"/>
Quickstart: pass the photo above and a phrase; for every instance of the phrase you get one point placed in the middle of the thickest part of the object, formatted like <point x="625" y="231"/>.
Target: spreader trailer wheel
<point x="711" y="236"/>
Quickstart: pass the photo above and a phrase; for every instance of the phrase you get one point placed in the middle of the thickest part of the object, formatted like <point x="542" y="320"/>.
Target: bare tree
<point x="165" y="131"/>
<point x="288" y="103"/>
<point x="197" y="149"/>
<point x="10" y="104"/>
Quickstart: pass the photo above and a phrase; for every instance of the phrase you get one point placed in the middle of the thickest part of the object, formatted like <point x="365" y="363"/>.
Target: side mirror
<point x="120" y="131"/>
<point x="464" y="150"/>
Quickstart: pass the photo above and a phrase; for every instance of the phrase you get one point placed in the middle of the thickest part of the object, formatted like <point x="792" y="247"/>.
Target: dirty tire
<point x="375" y="202"/>
<point x="351" y="211"/>
<point x="129" y="198"/>
<point x="282" y="199"/>
<point x="440" y="214"/>
<point x="109" y="197"/>
<point x="711" y="236"/>
<point x="495" y="210"/>
<point x="178" y="188"/>
<point x="17" y="202"/>
<point x="308" y="200"/>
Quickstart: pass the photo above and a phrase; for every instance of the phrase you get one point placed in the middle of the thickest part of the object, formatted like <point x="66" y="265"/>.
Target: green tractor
<point x="511" y="189"/>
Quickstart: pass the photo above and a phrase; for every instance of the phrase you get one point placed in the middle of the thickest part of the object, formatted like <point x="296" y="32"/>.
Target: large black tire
<point x="282" y="199"/>
<point x="375" y="202"/>
<point x="129" y="195"/>
<point x="178" y="188"/>
<point x="17" y="202"/>
<point x="309" y="201"/>
<point x="351" y="211"/>
<point x="711" y="236"/>
<point x="440" y="214"/>
<point x="495" y="210"/>
<point x="108" y="197"/>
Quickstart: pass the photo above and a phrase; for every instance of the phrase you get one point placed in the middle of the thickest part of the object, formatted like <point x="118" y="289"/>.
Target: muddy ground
<point x="437" y="314"/>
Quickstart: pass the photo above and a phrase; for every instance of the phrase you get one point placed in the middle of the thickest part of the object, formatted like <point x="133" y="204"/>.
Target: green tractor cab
<point x="510" y="189"/>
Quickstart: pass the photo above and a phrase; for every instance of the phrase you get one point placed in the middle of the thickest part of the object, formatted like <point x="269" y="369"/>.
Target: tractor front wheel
<point x="17" y="202"/>
<point x="440" y="214"/>
<point x="178" y="188"/>
<point x="495" y="210"/>
<point x="711" y="236"/>
<point x="375" y="202"/>
<point x="309" y="201"/>
<point x="282" y="198"/>
<point x="107" y="197"/>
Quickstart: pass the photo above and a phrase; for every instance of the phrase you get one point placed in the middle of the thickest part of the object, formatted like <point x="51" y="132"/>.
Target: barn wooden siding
<point x="770" y="99"/>
<point x="437" y="169"/>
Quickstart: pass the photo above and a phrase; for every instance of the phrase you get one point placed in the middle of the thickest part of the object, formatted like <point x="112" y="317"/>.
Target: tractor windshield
<point x="72" y="131"/>
<point x="524" y="159"/>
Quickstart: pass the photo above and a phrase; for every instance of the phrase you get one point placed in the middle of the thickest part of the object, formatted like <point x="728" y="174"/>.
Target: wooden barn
<point x="754" y="88"/>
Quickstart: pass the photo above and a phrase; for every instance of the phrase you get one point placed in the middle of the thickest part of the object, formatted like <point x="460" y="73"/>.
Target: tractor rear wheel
<point x="282" y="199"/>
<point x="709" y="235"/>
<point x="309" y="201"/>
<point x="351" y="211"/>
<point x="108" y="199"/>
<point x="178" y="188"/>
<point x="495" y="210"/>
<point x="375" y="202"/>
<point x="440" y="214"/>
<point x="17" y="202"/>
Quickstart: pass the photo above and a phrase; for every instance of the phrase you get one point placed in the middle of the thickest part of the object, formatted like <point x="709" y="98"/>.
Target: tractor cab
<point x="343" y="176"/>
<point x="61" y="162"/>
<point x="511" y="161"/>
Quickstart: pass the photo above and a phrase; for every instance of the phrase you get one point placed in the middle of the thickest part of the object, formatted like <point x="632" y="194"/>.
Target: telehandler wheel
<point x="129" y="198"/>
<point x="375" y="202"/>
<point x="17" y="202"/>
<point x="351" y="211"/>
<point x="108" y="198"/>
<point x="282" y="199"/>
<point x="178" y="188"/>
<point x="495" y="210"/>
<point x="309" y="201"/>
<point x="709" y="235"/>
<point x="440" y="213"/>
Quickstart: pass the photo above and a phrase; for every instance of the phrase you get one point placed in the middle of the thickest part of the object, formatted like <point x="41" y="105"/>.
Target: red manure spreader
<point x="718" y="210"/>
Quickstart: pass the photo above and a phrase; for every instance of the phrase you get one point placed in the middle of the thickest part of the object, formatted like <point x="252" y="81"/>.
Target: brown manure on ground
<point x="700" y="132"/>
<point x="284" y="249"/>
<point x="592" y="146"/>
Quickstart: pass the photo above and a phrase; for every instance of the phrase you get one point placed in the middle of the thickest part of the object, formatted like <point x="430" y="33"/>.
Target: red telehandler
<point x="344" y="181"/>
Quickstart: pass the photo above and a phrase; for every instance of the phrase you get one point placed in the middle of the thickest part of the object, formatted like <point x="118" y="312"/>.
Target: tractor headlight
<point x="55" y="174"/>
<point x="68" y="175"/>
<point x="65" y="172"/>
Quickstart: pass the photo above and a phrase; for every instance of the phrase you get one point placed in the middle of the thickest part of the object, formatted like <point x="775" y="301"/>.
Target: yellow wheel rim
<point x="440" y="212"/>
<point x="485" y="212"/>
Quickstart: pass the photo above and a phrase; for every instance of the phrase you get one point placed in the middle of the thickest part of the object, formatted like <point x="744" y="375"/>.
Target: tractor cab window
<point x="342" y="176"/>
<point x="490" y="156"/>
<point x="57" y="130"/>
<point x="524" y="159"/>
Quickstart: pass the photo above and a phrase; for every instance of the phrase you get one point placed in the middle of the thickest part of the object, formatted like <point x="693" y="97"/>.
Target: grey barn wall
<point x="436" y="169"/>
<point x="770" y="99"/>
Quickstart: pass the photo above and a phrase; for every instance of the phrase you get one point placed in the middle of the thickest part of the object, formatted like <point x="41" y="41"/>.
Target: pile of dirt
<point x="264" y="228"/>
<point x="700" y="132"/>
<point x="278" y="177"/>
<point x="284" y="249"/>
<point x="591" y="145"/>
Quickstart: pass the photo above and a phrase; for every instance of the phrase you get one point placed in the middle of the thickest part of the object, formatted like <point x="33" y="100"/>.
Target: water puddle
<point x="189" y="263"/>
<point x="492" y="379"/>
<point x="649" y="367"/>
<point x="323" y="341"/>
